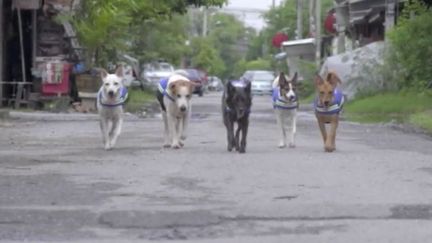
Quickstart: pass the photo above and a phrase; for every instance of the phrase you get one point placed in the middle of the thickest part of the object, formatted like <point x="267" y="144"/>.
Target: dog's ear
<point x="318" y="80"/>
<point x="103" y="73"/>
<point x="248" y="88"/>
<point x="282" y="79"/>
<point x="230" y="89"/>
<point x="333" y="79"/>
<point x="172" y="88"/>
<point x="119" y="71"/>
<point x="294" y="78"/>
<point x="191" y="86"/>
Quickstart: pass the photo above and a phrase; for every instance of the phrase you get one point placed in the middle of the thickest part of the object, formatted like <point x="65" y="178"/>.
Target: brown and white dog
<point x="328" y="104"/>
<point x="174" y="96"/>
<point x="285" y="105"/>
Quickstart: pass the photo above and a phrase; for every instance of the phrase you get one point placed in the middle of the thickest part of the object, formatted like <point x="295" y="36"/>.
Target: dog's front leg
<point x="105" y="134"/>
<point x="293" y="129"/>
<point x="230" y="135"/>
<point x="281" y="125"/>
<point x="237" y="137"/>
<point x="167" y="140"/>
<point x="322" y="128"/>
<point x="180" y="130"/>
<point x="173" y="128"/>
<point x="186" y="124"/>
<point x="244" y="129"/>
<point x="331" y="143"/>
<point x="115" y="131"/>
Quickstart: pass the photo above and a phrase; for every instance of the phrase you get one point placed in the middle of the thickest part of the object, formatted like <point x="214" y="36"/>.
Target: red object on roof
<point x="329" y="23"/>
<point x="278" y="39"/>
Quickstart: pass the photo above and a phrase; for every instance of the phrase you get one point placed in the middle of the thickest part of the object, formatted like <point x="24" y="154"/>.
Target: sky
<point x="250" y="16"/>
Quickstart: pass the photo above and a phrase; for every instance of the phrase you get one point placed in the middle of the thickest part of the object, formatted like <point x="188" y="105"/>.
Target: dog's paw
<point x="107" y="147"/>
<point x="175" y="146"/>
<point x="281" y="145"/>
<point x="181" y="144"/>
<point x="242" y="150"/>
<point x="183" y="137"/>
<point x="329" y="149"/>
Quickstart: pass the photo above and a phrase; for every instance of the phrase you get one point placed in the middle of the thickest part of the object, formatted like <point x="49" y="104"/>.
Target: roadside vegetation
<point x="136" y="99"/>
<point x="406" y="96"/>
<point x="402" y="107"/>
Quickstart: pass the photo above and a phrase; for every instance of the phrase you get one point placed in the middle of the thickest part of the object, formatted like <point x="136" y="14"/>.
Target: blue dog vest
<point x="163" y="85"/>
<point x="280" y="103"/>
<point x="335" y="107"/>
<point x="121" y="100"/>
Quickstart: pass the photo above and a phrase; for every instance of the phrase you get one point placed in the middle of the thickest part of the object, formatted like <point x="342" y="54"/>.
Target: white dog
<point x="110" y="101"/>
<point x="174" y="96"/>
<point x="285" y="104"/>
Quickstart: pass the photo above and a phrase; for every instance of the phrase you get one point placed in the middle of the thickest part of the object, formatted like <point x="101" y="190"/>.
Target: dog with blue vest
<point x="110" y="100"/>
<point x="285" y="105"/>
<point x="328" y="105"/>
<point x="174" y="95"/>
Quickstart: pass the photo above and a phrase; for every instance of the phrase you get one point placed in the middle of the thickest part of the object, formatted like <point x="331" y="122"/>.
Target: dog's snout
<point x="111" y="93"/>
<point x="183" y="108"/>
<point x="326" y="103"/>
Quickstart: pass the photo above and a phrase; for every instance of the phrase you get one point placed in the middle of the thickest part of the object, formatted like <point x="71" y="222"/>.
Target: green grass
<point x="138" y="98"/>
<point x="388" y="106"/>
<point x="404" y="107"/>
<point x="422" y="120"/>
<point x="307" y="100"/>
<point x="391" y="103"/>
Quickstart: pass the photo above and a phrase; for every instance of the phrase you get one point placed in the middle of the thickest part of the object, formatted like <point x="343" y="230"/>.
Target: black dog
<point x="236" y="105"/>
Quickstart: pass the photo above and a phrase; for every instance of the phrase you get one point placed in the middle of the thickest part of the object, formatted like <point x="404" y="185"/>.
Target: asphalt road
<point x="57" y="184"/>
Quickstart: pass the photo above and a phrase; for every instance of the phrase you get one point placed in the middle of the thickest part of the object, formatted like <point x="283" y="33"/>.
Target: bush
<point x="258" y="64"/>
<point x="308" y="71"/>
<point x="411" y="48"/>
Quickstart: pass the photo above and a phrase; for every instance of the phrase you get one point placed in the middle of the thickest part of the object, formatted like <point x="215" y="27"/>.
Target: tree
<point x="229" y="36"/>
<point x="104" y="26"/>
<point x="161" y="39"/>
<point x="410" y="53"/>
<point x="282" y="19"/>
<point x="206" y="57"/>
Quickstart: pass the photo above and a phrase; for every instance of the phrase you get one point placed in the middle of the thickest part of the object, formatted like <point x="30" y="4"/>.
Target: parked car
<point x="153" y="72"/>
<point x="199" y="77"/>
<point x="214" y="84"/>
<point x="261" y="81"/>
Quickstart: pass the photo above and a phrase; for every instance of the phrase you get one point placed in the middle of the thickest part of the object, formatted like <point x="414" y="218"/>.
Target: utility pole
<point x="341" y="22"/>
<point x="273" y="3"/>
<point x="205" y="16"/>
<point x="390" y="14"/>
<point x="311" y="18"/>
<point x="1" y="53"/>
<point x="299" y="19"/>
<point x="318" y="32"/>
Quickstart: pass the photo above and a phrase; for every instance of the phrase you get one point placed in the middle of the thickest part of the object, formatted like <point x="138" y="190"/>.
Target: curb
<point x="4" y="114"/>
<point x="46" y="116"/>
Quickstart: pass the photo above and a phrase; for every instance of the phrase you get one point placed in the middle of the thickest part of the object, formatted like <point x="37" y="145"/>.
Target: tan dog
<point x="328" y="104"/>
<point x="174" y="96"/>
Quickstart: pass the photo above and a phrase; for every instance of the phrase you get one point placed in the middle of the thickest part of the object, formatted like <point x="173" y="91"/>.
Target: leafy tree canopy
<point x="105" y="27"/>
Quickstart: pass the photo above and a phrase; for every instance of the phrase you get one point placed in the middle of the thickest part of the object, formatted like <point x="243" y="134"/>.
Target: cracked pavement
<point x="57" y="183"/>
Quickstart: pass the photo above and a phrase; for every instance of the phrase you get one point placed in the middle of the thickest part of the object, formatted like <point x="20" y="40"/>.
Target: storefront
<point x="36" y="51"/>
